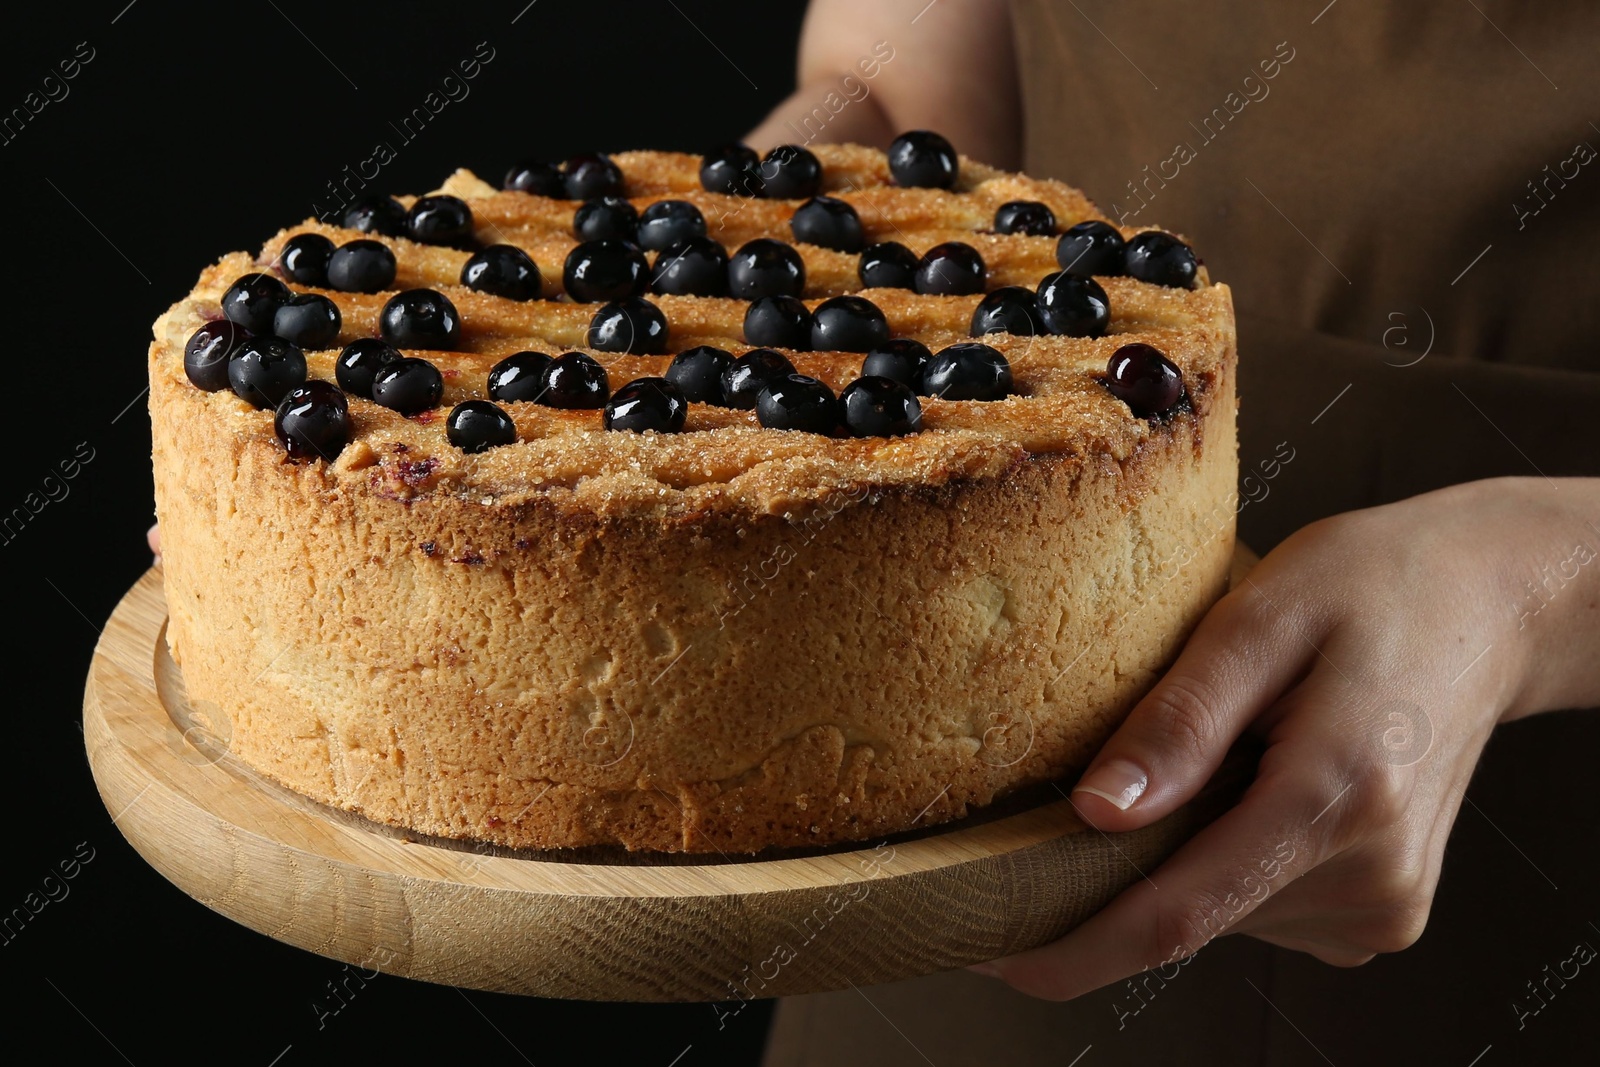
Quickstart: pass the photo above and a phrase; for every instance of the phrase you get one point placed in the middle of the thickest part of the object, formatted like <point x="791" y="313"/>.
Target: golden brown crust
<point x="729" y="638"/>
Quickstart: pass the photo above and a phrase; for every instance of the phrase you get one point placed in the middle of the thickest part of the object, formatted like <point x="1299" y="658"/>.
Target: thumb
<point x="1236" y="664"/>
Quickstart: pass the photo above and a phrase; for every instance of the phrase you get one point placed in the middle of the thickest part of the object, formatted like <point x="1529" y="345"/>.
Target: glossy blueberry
<point x="205" y="357"/>
<point x="848" y="324"/>
<point x="408" y="386"/>
<point x="697" y="372"/>
<point x="668" y="222"/>
<point x="574" y="380"/>
<point x="440" y="220"/>
<point x="696" y="267"/>
<point x="420" y="318"/>
<point x="745" y="377"/>
<point x="503" y="270"/>
<point x="1073" y="305"/>
<point x="361" y="266"/>
<point x="889" y="265"/>
<point x="733" y="169"/>
<point x="604" y="270"/>
<point x="880" y="407"/>
<point x="764" y="267"/>
<point x="951" y="269"/>
<point x="1025" y="216"/>
<point x="313" y="421"/>
<point x="829" y="222"/>
<point x="265" y="369"/>
<point x="1091" y="247"/>
<point x="1008" y="309"/>
<point x="477" y="426"/>
<point x="633" y="324"/>
<point x="899" y="358"/>
<point x="519" y="376"/>
<point x="646" y="404"/>
<point x="923" y="158"/>
<point x="360" y="361"/>
<point x="309" y="320"/>
<point x="967" y="371"/>
<point x="253" y="300"/>
<point x="375" y="213"/>
<point x="1160" y="258"/>
<point x="605" y="218"/>
<point x="590" y="175"/>
<point x="1142" y="377"/>
<point x="797" y="402"/>
<point x="778" y="322"/>
<point x="304" y="259"/>
<point x="536" y="177"/>
<point x="790" y="172"/>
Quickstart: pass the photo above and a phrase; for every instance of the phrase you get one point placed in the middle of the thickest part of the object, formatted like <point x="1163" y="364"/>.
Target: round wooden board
<point x="608" y="926"/>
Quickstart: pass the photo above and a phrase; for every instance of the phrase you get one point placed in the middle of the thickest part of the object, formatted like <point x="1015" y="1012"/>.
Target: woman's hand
<point x="1373" y="653"/>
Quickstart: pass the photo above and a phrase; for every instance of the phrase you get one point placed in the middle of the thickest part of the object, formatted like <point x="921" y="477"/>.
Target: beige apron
<point x="1406" y="202"/>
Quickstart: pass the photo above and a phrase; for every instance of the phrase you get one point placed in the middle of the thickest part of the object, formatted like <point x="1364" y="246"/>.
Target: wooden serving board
<point x="595" y="925"/>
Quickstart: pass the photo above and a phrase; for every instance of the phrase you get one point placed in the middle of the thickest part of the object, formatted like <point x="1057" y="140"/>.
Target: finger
<point x="153" y="536"/>
<point x="1213" y="881"/>
<point x="1242" y="657"/>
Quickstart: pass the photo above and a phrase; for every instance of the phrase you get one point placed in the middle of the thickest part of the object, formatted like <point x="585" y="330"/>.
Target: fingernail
<point x="1117" y="781"/>
<point x="988" y="970"/>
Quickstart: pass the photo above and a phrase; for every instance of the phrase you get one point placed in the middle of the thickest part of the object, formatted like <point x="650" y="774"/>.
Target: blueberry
<point x="574" y="380"/>
<point x="205" y="357"/>
<point x="360" y="362"/>
<point x="848" y="324"/>
<point x="1142" y="377"/>
<point x="304" y="259"/>
<point x="313" y="421"/>
<point x="375" y="213"/>
<point x="519" y="376"/>
<point x="951" y="269"/>
<point x="309" y="320"/>
<point x="1008" y="309"/>
<point x="668" y="222"/>
<point x="731" y="169"/>
<point x="361" y="266"/>
<point x="1091" y="247"/>
<point x="604" y="270"/>
<point x="440" y="220"/>
<point x="1160" y="258"/>
<point x="899" y="358"/>
<point x="477" y="426"/>
<point x="1025" y="216"/>
<point x="590" y="175"/>
<point x="536" y="177"/>
<point x="632" y="325"/>
<point x="790" y="172"/>
<point x="697" y="372"/>
<point x="923" y="158"/>
<point x="408" y="386"/>
<point x="745" y="377"/>
<point x="797" y="402"/>
<point x="1073" y="305"/>
<point x="646" y="404"/>
<point x="253" y="300"/>
<point x="778" y="322"/>
<point x="605" y="218"/>
<point x="503" y="270"/>
<point x="696" y="267"/>
<point x="420" y="318"/>
<point x="880" y="407"/>
<point x="829" y="222"/>
<point x="889" y="265"/>
<point x="265" y="369"/>
<point x="764" y="267"/>
<point x="967" y="371"/>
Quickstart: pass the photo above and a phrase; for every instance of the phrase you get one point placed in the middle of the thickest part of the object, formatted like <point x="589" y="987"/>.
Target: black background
<point x="196" y="130"/>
